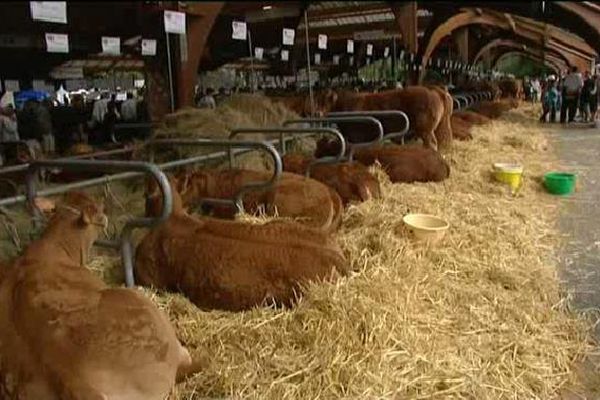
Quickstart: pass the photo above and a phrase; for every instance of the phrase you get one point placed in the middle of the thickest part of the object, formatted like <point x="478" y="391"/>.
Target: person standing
<point x="586" y="95"/>
<point x="129" y="109"/>
<point x="550" y="101"/>
<point x="537" y="90"/>
<point x="572" y="85"/>
<point x="207" y="101"/>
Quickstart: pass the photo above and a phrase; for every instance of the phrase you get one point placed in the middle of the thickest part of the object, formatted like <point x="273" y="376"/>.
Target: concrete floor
<point x="579" y="151"/>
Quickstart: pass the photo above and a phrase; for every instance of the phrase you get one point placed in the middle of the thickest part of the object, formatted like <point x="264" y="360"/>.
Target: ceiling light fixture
<point x="265" y="8"/>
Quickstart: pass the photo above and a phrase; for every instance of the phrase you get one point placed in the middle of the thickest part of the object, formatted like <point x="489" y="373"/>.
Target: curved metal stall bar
<point x="236" y="202"/>
<point x="124" y="243"/>
<point x="379" y="113"/>
<point x="297" y="131"/>
<point x="472" y="97"/>
<point x="461" y="97"/>
<point x="351" y="146"/>
<point x="457" y="106"/>
<point x="23" y="167"/>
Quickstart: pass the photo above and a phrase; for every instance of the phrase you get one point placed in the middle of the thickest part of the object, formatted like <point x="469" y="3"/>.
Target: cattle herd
<point x="65" y="334"/>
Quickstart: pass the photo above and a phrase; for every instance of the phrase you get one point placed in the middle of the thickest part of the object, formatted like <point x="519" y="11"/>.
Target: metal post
<point x="310" y="93"/>
<point x="394" y="60"/>
<point x="170" y="72"/>
<point x="252" y="75"/>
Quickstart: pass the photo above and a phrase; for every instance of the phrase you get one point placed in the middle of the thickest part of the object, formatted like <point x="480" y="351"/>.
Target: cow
<point x="444" y="131"/>
<point x="232" y="265"/>
<point x="300" y="104"/>
<point x="401" y="163"/>
<point x="351" y="180"/>
<point x="292" y="196"/>
<point x="461" y="129"/>
<point x="424" y="107"/>
<point x="64" y="334"/>
<point x="490" y="109"/>
<point x="512" y="88"/>
<point x="471" y="117"/>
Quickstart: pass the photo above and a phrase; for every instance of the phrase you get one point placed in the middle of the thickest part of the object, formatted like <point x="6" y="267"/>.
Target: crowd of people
<point x="574" y="96"/>
<point x="54" y="127"/>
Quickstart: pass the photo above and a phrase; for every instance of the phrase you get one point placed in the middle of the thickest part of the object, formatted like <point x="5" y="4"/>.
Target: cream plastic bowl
<point x="506" y="167"/>
<point x="424" y="227"/>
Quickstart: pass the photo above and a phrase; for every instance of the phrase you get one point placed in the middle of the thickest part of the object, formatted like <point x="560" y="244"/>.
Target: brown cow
<point x="472" y="117"/>
<point x="491" y="109"/>
<point x="64" y="334"/>
<point x="444" y="131"/>
<point x="352" y="181"/>
<point x="300" y="104"/>
<point x="401" y="163"/>
<point x="230" y="265"/>
<point x="461" y="128"/>
<point x="424" y="107"/>
<point x="512" y="88"/>
<point x="293" y="196"/>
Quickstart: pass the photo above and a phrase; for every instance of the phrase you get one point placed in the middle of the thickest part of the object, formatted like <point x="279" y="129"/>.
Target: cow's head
<point x="154" y="198"/>
<point x="78" y="221"/>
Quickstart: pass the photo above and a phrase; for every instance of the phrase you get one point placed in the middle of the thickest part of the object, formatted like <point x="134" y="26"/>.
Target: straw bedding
<point x="479" y="316"/>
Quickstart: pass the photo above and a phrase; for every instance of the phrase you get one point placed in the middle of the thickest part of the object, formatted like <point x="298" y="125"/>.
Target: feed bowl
<point x="424" y="227"/>
<point x="508" y="173"/>
<point x="559" y="183"/>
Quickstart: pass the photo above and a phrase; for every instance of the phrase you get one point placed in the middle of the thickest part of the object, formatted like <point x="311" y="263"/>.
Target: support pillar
<point x="461" y="39"/>
<point x="200" y="18"/>
<point x="406" y="18"/>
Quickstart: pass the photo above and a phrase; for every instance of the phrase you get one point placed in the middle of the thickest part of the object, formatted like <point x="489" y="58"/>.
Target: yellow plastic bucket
<point x="511" y="174"/>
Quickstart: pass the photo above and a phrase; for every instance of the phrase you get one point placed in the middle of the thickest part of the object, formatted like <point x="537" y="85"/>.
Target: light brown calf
<point x="232" y="265"/>
<point x="352" y="181"/>
<point x="65" y="335"/>
<point x="293" y="196"/>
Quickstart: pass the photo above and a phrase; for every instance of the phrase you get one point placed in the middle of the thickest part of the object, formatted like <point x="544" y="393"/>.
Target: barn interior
<point x="441" y="113"/>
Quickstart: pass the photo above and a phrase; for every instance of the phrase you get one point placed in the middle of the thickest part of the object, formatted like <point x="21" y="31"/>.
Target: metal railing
<point x="237" y="200"/>
<point x="351" y="145"/>
<point x="299" y="131"/>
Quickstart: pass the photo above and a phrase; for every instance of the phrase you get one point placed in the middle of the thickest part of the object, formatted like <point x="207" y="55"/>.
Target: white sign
<point x="317" y="58"/>
<point x="138" y="83"/>
<point x="369" y="49"/>
<point x="258" y="52"/>
<point x="412" y="58"/>
<point x="386" y="52"/>
<point x="239" y="30"/>
<point x="285" y="55"/>
<point x="336" y="60"/>
<point x="350" y="46"/>
<point x="148" y="47"/>
<point x="288" y="36"/>
<point x="57" y="43"/>
<point x="322" y="42"/>
<point x="67" y="73"/>
<point x="49" y="11"/>
<point x="11" y="85"/>
<point x="352" y="60"/>
<point x="175" y="22"/>
<point x="438" y="62"/>
<point x="111" y="45"/>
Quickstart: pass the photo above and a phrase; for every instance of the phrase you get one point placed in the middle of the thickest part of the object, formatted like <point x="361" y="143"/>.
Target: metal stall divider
<point x="457" y="106"/>
<point x="351" y="146"/>
<point x="380" y="114"/>
<point x="236" y="201"/>
<point x="461" y="97"/>
<point x="298" y="131"/>
<point x="134" y="169"/>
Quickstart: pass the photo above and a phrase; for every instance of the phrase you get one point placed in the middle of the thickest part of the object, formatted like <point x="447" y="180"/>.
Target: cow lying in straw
<point x="352" y="181"/>
<point x="401" y="163"/>
<point x="313" y="203"/>
<point x="65" y="335"/>
<point x="231" y="265"/>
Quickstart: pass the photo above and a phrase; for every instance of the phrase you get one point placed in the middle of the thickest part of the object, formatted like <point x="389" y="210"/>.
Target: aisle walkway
<point x="579" y="151"/>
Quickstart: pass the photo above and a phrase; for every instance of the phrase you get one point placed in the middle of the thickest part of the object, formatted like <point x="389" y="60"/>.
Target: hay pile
<point x="239" y="111"/>
<point x="479" y="316"/>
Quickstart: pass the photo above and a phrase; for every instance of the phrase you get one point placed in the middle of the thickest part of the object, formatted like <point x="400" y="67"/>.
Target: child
<point x="550" y="102"/>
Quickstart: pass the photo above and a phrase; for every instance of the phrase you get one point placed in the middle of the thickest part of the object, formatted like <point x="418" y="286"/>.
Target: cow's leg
<point x="430" y="141"/>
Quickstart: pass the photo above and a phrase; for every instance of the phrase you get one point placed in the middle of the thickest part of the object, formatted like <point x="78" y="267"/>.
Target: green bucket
<point x="560" y="183"/>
